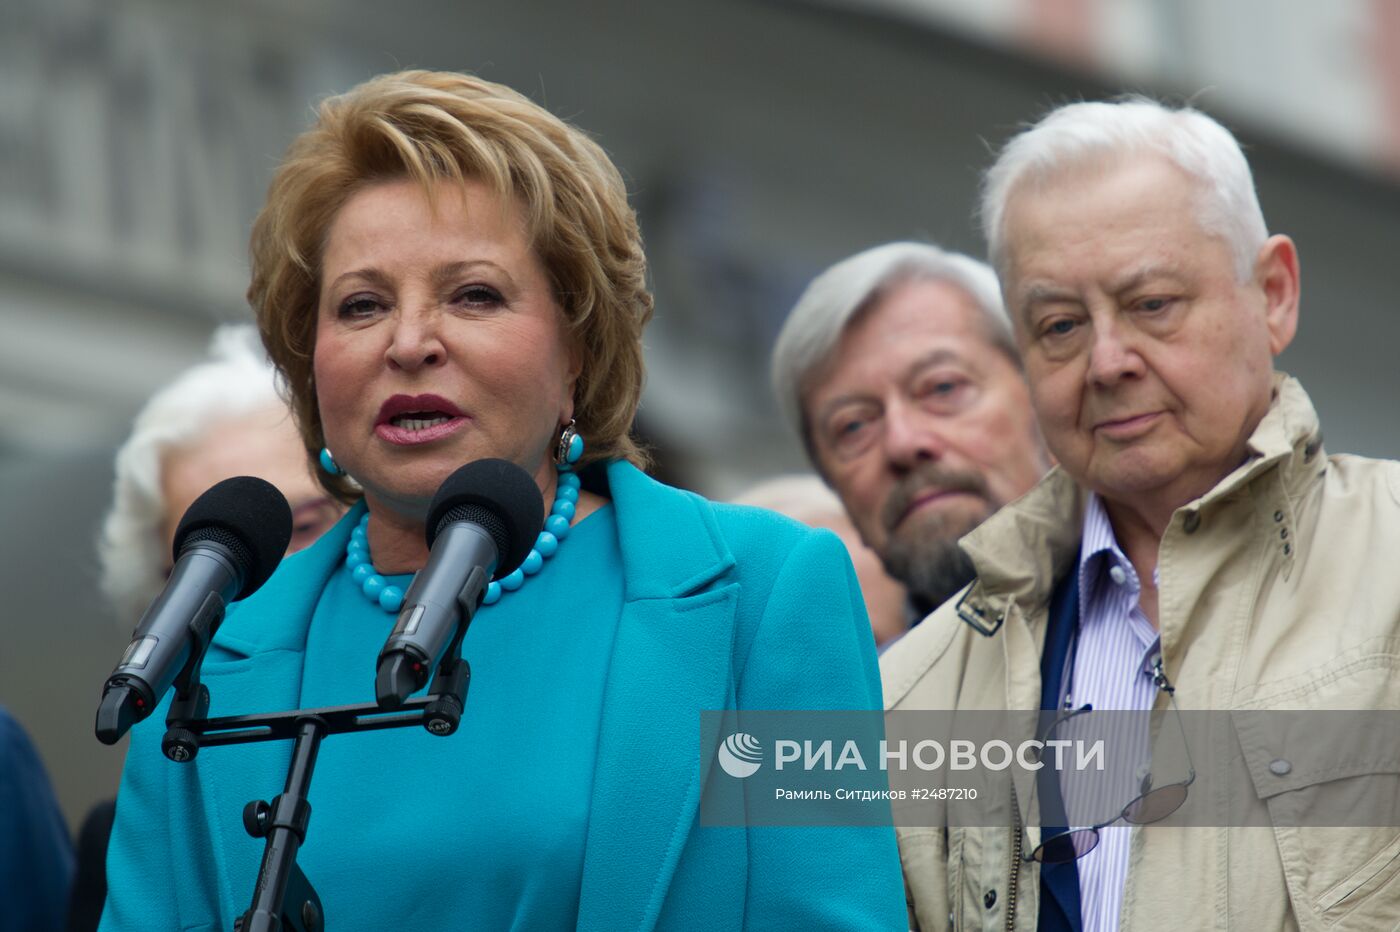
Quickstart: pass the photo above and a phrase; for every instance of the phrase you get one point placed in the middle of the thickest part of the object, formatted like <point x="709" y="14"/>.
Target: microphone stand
<point x="283" y="821"/>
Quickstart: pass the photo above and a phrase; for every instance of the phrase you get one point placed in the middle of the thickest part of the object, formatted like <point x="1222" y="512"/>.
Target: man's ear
<point x="1276" y="274"/>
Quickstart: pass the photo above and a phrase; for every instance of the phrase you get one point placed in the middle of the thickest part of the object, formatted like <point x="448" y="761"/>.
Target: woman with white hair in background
<point x="222" y="417"/>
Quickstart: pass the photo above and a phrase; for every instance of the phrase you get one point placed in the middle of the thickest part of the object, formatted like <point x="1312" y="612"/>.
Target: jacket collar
<point x="671" y="659"/>
<point x="1021" y="551"/>
<point x="1289" y="436"/>
<point x="652" y="520"/>
<point x="278" y="616"/>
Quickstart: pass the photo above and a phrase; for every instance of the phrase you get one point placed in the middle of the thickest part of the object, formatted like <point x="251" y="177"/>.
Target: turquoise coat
<point x="723" y="608"/>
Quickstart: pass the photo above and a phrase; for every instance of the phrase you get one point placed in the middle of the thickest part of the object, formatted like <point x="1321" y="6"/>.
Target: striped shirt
<point x="1112" y="669"/>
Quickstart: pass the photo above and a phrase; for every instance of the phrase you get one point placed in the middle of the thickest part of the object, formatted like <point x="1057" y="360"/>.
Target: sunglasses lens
<point x="1156" y="805"/>
<point x="1066" y="847"/>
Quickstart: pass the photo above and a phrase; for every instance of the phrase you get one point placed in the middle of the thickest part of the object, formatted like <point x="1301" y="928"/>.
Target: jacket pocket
<point x="1366" y="880"/>
<point x="1330" y="783"/>
<point x="1342" y="879"/>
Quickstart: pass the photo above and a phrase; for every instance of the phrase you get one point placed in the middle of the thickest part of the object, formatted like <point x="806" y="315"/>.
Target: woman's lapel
<point x="672" y="659"/>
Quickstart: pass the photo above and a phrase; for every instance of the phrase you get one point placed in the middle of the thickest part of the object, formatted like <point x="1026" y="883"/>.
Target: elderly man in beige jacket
<point x="1208" y="549"/>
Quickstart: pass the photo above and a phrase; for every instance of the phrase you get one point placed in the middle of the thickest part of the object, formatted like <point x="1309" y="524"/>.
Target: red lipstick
<point x="408" y="420"/>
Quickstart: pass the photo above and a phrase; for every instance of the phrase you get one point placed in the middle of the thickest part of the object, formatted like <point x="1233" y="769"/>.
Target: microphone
<point x="226" y="546"/>
<point x="481" y="525"/>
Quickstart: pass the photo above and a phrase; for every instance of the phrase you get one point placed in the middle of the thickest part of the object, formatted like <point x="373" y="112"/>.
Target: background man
<point x="1196" y="539"/>
<point x="898" y="370"/>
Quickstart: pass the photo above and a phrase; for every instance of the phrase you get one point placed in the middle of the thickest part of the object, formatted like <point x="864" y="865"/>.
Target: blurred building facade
<point x="1322" y="77"/>
<point x="762" y="141"/>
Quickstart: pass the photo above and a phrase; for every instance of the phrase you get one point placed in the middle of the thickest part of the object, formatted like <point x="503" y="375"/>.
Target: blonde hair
<point x="442" y="127"/>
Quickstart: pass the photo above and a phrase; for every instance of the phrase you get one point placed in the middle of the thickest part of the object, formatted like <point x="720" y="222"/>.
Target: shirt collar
<point x="1101" y="560"/>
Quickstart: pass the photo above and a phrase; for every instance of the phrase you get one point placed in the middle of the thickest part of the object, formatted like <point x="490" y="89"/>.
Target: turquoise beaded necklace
<point x="556" y="527"/>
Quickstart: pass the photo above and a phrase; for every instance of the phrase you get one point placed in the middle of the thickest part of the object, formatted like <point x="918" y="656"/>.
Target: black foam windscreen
<point x="500" y="497"/>
<point x="249" y="517"/>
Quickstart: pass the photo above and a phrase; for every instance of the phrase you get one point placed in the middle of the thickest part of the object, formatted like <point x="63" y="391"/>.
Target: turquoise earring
<point x="328" y="464"/>
<point x="570" y="447"/>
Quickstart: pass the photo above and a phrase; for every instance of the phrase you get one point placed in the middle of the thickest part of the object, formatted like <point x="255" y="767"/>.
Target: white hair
<point x="1081" y="132"/>
<point x="235" y="379"/>
<point x="835" y="297"/>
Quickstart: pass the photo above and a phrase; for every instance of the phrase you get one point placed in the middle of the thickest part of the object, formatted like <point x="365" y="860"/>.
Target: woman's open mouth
<point x="406" y="420"/>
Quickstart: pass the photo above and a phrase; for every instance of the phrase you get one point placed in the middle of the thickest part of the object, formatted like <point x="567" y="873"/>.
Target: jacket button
<point x="1287" y="549"/>
<point x="1191" y="522"/>
<point x="1280" y="767"/>
<point x="990" y="899"/>
<point x="1278" y="516"/>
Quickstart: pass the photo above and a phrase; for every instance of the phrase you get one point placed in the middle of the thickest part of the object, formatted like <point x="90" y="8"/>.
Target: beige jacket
<point x="1279" y="589"/>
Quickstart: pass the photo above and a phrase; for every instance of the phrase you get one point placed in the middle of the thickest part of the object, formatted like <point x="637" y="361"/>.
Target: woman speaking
<point x="443" y="273"/>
